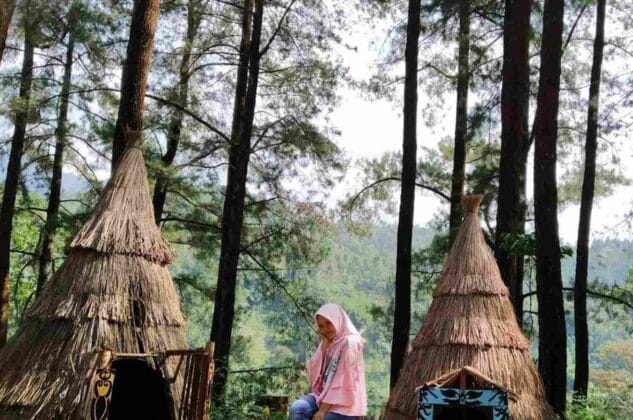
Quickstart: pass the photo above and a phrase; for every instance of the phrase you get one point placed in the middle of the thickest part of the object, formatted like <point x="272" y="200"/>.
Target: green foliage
<point x="603" y="404"/>
<point x="194" y="276"/>
<point x="613" y="303"/>
<point x="525" y="245"/>
<point x="23" y="270"/>
<point x="327" y="263"/>
<point x="607" y="179"/>
<point x="294" y="257"/>
<point x="25" y="245"/>
<point x="246" y="387"/>
<point x="427" y="262"/>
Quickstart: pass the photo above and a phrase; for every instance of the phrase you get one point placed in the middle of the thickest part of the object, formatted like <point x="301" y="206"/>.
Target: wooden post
<point x="104" y="359"/>
<point x="101" y="386"/>
<point x="205" y="382"/>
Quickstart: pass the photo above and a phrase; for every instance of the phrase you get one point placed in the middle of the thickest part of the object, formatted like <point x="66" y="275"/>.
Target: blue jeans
<point x="305" y="407"/>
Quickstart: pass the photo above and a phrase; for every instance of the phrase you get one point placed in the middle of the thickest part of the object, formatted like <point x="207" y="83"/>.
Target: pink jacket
<point x="344" y="390"/>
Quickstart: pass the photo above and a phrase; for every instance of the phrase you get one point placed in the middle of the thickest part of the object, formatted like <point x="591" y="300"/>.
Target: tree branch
<point x="263" y="238"/>
<point x="307" y="318"/>
<point x="573" y="27"/>
<point x="159" y="99"/>
<point x="266" y="200"/>
<point x="190" y="113"/>
<point x="19" y="251"/>
<point x="189" y="222"/>
<point x="592" y="293"/>
<point x="208" y="292"/>
<point x="395" y="178"/>
<point x="277" y="29"/>
<point x="266" y="369"/>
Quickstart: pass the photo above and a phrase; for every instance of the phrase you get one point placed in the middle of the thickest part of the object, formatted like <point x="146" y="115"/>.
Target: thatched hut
<point x="471" y="322"/>
<point x="113" y="292"/>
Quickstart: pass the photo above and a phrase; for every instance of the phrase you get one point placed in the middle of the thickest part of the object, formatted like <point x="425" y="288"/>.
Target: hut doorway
<point x="463" y="413"/>
<point x="125" y="386"/>
<point x="464" y="393"/>
<point x="138" y="392"/>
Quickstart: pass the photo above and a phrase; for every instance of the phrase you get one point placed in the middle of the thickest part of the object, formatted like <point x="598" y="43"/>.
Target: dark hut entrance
<point x="138" y="392"/>
<point x="462" y="413"/>
<point x="463" y="394"/>
<point x="140" y="386"/>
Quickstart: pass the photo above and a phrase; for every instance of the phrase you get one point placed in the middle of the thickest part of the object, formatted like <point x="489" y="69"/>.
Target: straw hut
<point x="113" y="291"/>
<point x="471" y="322"/>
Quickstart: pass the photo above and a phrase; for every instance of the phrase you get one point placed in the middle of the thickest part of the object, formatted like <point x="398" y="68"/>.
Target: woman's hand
<point x="319" y="415"/>
<point x="323" y="409"/>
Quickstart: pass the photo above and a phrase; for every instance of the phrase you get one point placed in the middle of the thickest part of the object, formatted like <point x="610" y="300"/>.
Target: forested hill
<point x="247" y="119"/>
<point x="610" y="261"/>
<point x="358" y="274"/>
<point x="72" y="184"/>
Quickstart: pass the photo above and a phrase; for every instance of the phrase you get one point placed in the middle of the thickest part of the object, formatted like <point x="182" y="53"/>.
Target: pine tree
<point x="52" y="211"/>
<point x="13" y="173"/>
<point x="6" y="13"/>
<point x="402" y="304"/>
<point x="552" y="333"/>
<point x="233" y="213"/>
<point x="194" y="16"/>
<point x="135" y="72"/>
<point x="461" y="119"/>
<point x="581" y="374"/>
<point x="515" y="145"/>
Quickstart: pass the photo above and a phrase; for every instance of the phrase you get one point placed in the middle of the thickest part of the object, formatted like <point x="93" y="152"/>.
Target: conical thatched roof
<point x="471" y="322"/>
<point x="114" y="290"/>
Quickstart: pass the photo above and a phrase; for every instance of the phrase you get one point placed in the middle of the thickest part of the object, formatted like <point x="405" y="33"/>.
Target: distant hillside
<point x="71" y="182"/>
<point x="609" y="261"/>
<point x="359" y="274"/>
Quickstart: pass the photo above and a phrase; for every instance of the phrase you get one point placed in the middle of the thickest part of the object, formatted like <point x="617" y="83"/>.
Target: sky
<point x="372" y="127"/>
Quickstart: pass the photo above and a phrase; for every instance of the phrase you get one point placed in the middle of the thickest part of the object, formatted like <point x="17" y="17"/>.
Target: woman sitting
<point x="336" y="371"/>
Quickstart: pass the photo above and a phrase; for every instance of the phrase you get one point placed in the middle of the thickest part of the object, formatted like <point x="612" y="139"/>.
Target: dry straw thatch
<point x="471" y="322"/>
<point x="114" y="290"/>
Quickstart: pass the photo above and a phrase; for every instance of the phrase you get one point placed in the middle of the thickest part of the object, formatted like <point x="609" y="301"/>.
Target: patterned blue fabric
<point x="432" y="396"/>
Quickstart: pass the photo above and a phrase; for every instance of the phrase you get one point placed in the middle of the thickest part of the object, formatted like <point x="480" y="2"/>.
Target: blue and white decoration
<point x="430" y="396"/>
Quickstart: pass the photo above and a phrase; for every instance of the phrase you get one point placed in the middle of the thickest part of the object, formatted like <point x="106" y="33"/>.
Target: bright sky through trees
<point x="370" y="127"/>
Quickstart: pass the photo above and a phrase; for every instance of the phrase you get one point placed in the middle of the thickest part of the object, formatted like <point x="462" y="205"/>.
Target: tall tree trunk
<point x="52" y="211"/>
<point x="461" y="119"/>
<point x="515" y="144"/>
<point x="175" y="125"/>
<point x="549" y="285"/>
<point x="135" y="72"/>
<point x="581" y="377"/>
<point x="233" y="212"/>
<point x="6" y="13"/>
<point x="402" y="306"/>
<point x="12" y="181"/>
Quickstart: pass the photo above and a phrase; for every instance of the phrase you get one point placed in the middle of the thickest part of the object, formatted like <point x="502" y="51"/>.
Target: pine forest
<point x="187" y="184"/>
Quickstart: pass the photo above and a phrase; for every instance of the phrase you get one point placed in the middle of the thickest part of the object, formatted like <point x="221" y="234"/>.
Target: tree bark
<point x="12" y="181"/>
<point x="515" y="144"/>
<point x="6" y="13"/>
<point x="52" y="211"/>
<point x="402" y="304"/>
<point x="233" y="211"/>
<point x="581" y="374"/>
<point x="135" y="72"/>
<point x="461" y="120"/>
<point x="552" y="333"/>
<point x="175" y="125"/>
